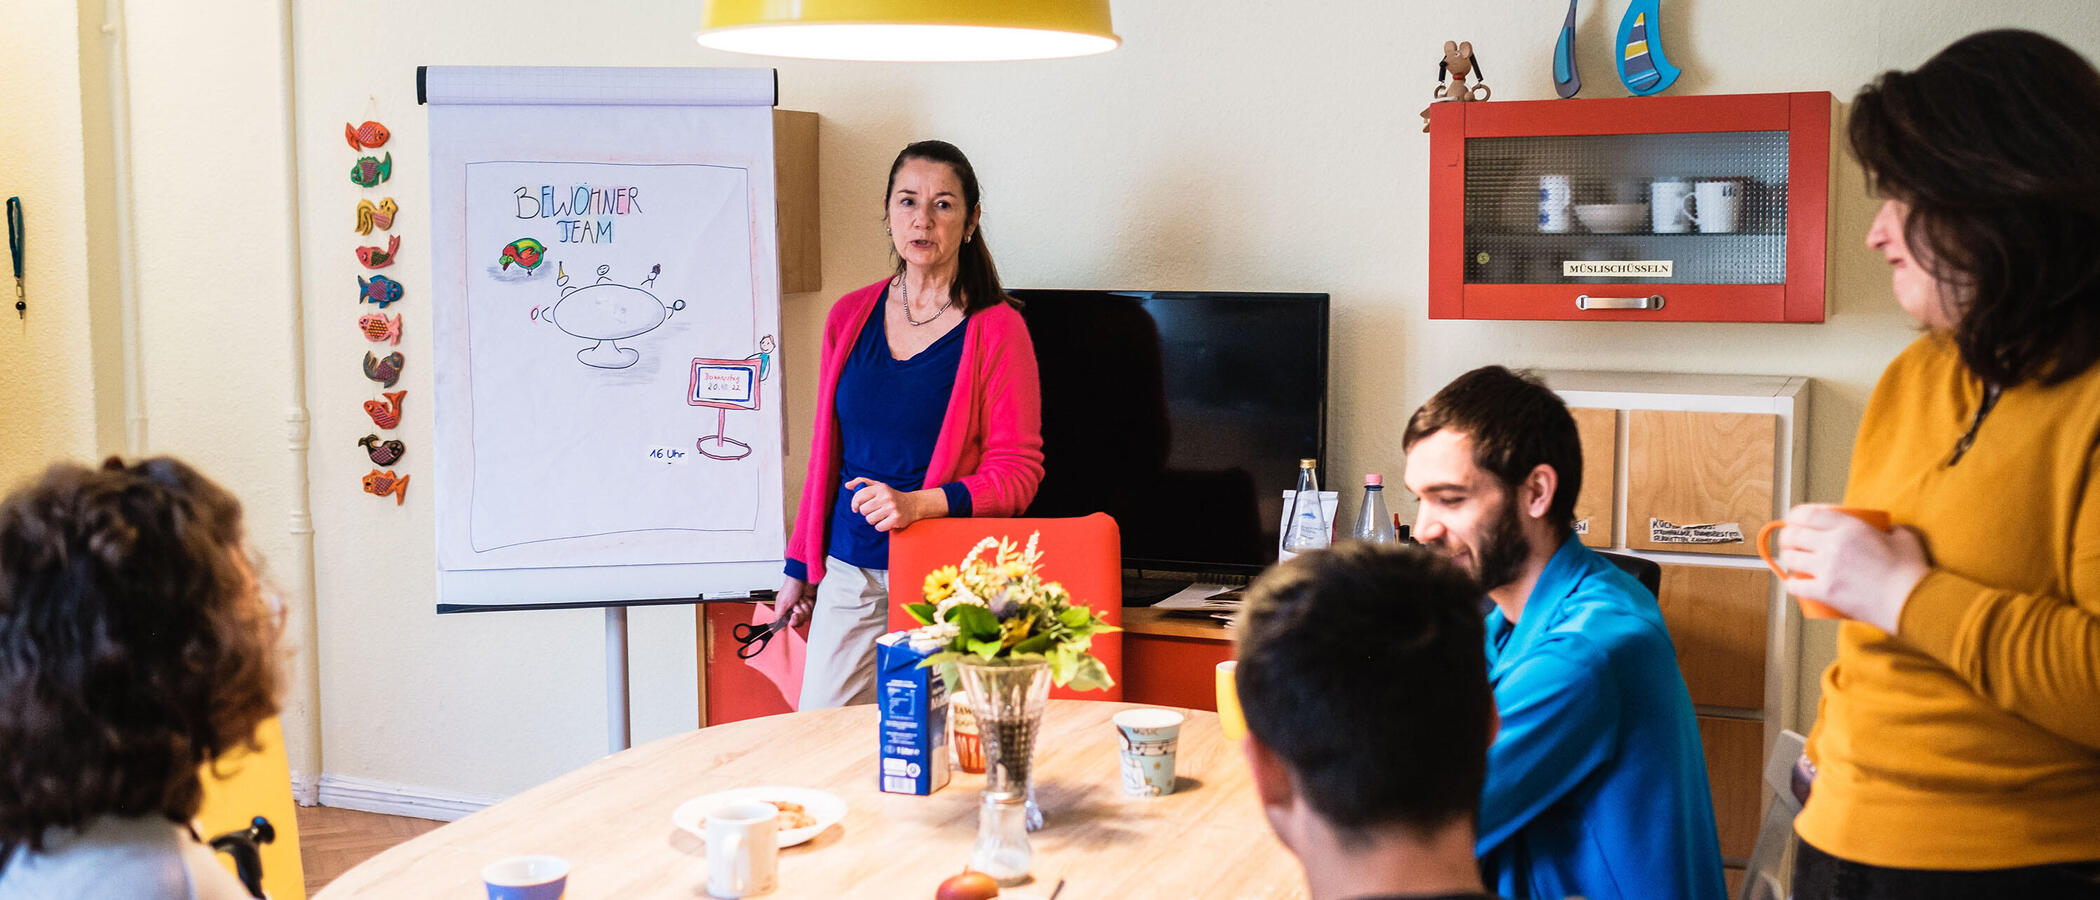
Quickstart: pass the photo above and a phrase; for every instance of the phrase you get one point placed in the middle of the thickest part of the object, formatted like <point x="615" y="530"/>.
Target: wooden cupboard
<point x="1684" y="470"/>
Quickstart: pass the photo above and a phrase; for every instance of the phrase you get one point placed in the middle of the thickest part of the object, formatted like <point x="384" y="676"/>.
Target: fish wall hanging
<point x="525" y="252"/>
<point x="369" y="136"/>
<point x="378" y="328"/>
<point x="1566" y="80"/>
<point x="384" y="453"/>
<point x="380" y="216"/>
<point x="380" y="289"/>
<point x="377" y="258"/>
<point x="388" y="414"/>
<point x="385" y="371"/>
<point x="368" y="172"/>
<point x="380" y="484"/>
<point x="1642" y="65"/>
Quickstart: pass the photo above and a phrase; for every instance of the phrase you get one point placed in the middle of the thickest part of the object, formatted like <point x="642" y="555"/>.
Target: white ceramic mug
<point x="1555" y="195"/>
<point x="1715" y="205"/>
<point x="743" y="849"/>
<point x="1666" y="197"/>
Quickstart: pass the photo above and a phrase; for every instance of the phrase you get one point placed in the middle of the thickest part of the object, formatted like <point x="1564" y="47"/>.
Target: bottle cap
<point x="1307" y="463"/>
<point x="1374" y="480"/>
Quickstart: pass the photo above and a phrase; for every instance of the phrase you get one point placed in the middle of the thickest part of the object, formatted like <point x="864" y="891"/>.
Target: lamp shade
<point x="909" y="30"/>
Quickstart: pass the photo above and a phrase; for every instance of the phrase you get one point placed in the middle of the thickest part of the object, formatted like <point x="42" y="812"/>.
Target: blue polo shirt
<point x="1596" y="784"/>
<point x="890" y="412"/>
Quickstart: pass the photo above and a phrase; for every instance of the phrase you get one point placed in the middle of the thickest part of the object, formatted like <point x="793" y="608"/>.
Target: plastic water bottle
<point x="1373" y="523"/>
<point x="1308" y="522"/>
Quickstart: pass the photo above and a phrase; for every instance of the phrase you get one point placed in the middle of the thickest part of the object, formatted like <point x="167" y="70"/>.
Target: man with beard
<point x="1596" y="785"/>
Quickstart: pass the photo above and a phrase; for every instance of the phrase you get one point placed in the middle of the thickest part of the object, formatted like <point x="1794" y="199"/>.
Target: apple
<point x="968" y="886"/>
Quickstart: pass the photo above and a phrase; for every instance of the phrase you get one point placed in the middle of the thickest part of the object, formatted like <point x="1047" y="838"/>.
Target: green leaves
<point x="921" y="611"/>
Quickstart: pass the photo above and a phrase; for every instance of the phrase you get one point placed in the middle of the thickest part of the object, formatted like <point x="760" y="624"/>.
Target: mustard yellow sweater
<point x="1971" y="738"/>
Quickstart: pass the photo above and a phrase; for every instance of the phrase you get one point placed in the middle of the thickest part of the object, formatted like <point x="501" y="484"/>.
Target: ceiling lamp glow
<point x="909" y="30"/>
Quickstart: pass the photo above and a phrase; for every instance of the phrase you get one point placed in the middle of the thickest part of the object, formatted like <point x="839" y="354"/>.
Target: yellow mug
<point x="1229" y="719"/>
<point x="1810" y="609"/>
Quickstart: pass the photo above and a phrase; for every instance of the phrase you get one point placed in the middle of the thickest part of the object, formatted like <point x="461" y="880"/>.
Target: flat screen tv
<point x="1183" y="414"/>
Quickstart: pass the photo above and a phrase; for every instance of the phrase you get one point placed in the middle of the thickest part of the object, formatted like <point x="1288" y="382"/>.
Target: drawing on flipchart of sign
<point x="574" y="429"/>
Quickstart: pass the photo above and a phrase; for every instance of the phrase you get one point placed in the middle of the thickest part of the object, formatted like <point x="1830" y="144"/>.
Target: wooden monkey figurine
<point x="1458" y="62"/>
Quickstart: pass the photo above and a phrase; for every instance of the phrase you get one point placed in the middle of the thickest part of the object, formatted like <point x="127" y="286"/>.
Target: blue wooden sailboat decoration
<point x="1566" y="81"/>
<point x="1642" y="65"/>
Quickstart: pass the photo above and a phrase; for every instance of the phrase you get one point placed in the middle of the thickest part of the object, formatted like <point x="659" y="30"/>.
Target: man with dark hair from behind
<point x="1368" y="719"/>
<point x="1596" y="781"/>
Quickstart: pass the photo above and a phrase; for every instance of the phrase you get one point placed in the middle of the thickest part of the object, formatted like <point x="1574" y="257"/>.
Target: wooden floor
<point x="333" y="840"/>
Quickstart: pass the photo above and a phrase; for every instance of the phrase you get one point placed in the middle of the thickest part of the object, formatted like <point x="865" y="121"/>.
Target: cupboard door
<point x="1717" y="621"/>
<point x="1699" y="482"/>
<point x="1599" y="431"/>
<point x="1735" y="755"/>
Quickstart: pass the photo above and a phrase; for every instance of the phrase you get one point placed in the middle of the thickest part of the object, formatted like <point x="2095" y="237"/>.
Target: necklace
<point x="904" y="300"/>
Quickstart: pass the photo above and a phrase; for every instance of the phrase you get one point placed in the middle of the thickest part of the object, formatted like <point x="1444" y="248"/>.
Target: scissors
<point x="752" y="640"/>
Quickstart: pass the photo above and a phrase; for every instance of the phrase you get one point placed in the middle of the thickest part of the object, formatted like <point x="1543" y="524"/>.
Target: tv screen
<point x="1183" y="414"/>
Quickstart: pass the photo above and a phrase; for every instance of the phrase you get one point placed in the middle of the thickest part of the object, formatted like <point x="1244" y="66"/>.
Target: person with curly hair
<point x="136" y="645"/>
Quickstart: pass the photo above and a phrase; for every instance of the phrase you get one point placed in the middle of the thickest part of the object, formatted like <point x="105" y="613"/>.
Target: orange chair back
<point x="1084" y="554"/>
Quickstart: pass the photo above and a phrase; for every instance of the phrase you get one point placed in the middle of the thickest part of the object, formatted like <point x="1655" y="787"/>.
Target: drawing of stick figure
<point x="727" y="384"/>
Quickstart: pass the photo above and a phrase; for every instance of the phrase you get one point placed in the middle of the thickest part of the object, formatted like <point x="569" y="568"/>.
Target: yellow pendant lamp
<point x="909" y="30"/>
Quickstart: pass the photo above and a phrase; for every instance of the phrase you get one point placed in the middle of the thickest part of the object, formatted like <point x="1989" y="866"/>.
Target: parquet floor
<point x="333" y="840"/>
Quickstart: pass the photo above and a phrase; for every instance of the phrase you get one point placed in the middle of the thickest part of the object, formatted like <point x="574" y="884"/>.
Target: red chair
<point x="1084" y="554"/>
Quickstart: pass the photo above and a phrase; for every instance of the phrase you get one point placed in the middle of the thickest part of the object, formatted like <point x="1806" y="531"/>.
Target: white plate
<point x="827" y="808"/>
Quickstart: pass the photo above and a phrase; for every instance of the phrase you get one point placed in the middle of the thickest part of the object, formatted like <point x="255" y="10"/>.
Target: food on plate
<point x="967" y="886"/>
<point x="792" y="816"/>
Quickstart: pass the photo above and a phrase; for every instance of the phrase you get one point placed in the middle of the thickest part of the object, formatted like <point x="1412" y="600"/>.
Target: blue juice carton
<point x="913" y="707"/>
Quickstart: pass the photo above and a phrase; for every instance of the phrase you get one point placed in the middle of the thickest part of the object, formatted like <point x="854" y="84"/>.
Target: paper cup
<point x="1230" y="720"/>
<point x="1149" y="738"/>
<point x="1811" y="609"/>
<point x="526" y="878"/>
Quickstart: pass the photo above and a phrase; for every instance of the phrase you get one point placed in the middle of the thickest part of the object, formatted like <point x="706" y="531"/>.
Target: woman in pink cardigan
<point x="927" y="406"/>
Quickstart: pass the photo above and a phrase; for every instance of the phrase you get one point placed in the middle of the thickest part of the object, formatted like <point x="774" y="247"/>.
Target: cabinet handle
<point x="1652" y="301"/>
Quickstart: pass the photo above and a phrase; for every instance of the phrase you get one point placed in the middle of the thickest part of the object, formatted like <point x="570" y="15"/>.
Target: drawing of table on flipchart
<point x="726" y="384"/>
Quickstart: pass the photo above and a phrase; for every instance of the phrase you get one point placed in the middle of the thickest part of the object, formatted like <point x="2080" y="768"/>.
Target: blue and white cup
<point x="1149" y="738"/>
<point x="527" y="878"/>
<point x="1555" y="195"/>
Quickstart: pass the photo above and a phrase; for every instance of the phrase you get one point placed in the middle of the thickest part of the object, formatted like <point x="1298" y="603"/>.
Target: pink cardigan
<point x="991" y="438"/>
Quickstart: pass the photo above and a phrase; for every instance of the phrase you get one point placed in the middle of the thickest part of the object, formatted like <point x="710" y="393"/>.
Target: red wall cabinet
<point x="1659" y="209"/>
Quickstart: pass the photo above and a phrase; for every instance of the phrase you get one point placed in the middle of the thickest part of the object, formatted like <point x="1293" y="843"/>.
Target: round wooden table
<point x="612" y="819"/>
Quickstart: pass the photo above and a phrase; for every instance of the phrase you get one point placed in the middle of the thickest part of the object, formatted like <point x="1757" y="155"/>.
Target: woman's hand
<point x="794" y="602"/>
<point x="1861" y="571"/>
<point x="889" y="509"/>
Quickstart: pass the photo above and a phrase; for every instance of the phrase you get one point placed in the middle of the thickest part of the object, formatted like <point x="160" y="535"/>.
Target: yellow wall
<point x="1230" y="144"/>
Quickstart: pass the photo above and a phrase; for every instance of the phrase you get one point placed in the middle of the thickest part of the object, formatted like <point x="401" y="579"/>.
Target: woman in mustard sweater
<point x="1958" y="741"/>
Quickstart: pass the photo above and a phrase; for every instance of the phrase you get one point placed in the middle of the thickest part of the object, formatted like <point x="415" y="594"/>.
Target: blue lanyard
<point x="14" y="249"/>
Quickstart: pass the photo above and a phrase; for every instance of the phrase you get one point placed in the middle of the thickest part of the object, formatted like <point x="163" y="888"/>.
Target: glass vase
<point x="1009" y="700"/>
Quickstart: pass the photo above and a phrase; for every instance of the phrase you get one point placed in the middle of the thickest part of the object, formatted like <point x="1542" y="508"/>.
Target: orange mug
<point x="1810" y="609"/>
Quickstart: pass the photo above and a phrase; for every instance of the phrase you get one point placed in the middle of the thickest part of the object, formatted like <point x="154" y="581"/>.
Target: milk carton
<point x="913" y="716"/>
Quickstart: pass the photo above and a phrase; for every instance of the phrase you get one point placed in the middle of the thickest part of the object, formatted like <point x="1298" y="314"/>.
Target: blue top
<point x="890" y="413"/>
<point x="1596" y="784"/>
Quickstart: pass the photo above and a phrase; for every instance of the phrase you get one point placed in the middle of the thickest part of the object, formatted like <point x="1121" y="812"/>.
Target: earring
<point x="966" y="239"/>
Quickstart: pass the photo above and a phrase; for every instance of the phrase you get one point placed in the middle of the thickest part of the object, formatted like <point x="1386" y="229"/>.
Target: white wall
<point x="1229" y="144"/>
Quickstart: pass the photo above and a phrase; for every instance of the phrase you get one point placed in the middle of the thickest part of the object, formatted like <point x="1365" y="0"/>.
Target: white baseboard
<point x="367" y="795"/>
<point x="306" y="789"/>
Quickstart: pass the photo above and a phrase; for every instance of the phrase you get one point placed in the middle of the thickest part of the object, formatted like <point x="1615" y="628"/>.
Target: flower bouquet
<point x="1005" y="635"/>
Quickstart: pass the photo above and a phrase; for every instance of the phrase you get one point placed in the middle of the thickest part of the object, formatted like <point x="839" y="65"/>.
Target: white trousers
<point x="851" y="611"/>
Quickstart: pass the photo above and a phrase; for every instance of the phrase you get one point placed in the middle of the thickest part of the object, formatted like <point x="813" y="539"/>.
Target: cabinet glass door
<point x="1686" y="208"/>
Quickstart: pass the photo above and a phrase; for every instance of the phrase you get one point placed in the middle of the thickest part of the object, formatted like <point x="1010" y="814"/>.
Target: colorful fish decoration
<point x="388" y="414"/>
<point x="367" y="171"/>
<point x="380" y="216"/>
<point x="375" y="258"/>
<point x="525" y="252"/>
<point x="1642" y="65"/>
<point x="369" y="136"/>
<point x="385" y="371"/>
<point x="384" y="453"/>
<point x="380" y="289"/>
<point x="380" y="328"/>
<point x="380" y="484"/>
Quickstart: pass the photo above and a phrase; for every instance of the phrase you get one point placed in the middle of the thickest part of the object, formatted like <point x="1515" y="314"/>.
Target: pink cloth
<point x="991" y="438"/>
